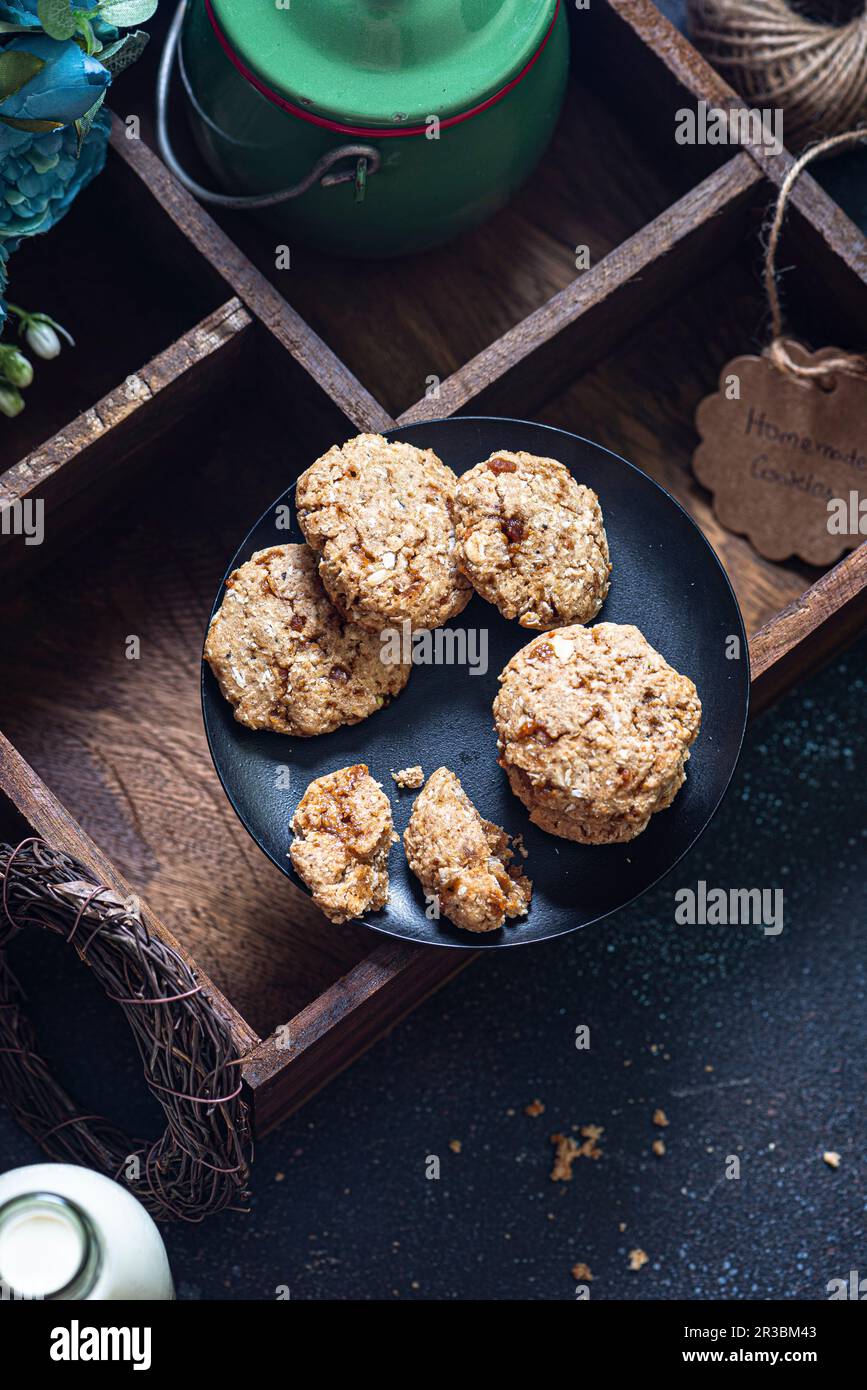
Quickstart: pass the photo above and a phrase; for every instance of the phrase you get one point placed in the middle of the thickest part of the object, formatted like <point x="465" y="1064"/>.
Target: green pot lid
<point x="383" y="62"/>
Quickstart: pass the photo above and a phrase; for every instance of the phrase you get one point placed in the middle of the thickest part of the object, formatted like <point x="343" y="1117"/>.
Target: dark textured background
<point x="341" y="1206"/>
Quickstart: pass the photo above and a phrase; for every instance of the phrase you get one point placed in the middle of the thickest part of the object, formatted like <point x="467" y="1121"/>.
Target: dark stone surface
<point x="342" y="1208"/>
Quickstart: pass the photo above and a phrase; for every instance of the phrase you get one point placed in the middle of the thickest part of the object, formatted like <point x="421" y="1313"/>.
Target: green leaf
<point x="124" y="52"/>
<point x="56" y="18"/>
<point x="85" y="30"/>
<point x="84" y="123"/>
<point x="35" y="127"/>
<point x="125" y="13"/>
<point x="16" y="70"/>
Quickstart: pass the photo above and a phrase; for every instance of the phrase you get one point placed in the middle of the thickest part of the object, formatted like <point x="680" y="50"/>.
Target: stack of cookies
<point x="594" y="727"/>
<point x="296" y="645"/>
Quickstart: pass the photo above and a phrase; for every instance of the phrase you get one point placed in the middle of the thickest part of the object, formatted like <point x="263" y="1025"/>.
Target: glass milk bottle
<point x="69" y="1233"/>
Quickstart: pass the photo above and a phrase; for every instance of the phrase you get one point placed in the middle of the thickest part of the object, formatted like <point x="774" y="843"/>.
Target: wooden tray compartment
<point x="147" y="491"/>
<point x="396" y="323"/>
<point x="125" y="288"/>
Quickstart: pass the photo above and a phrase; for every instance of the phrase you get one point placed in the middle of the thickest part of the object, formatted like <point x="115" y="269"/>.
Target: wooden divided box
<point x="205" y="379"/>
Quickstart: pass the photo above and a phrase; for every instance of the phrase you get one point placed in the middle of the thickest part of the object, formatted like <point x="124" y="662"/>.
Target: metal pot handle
<point x="367" y="157"/>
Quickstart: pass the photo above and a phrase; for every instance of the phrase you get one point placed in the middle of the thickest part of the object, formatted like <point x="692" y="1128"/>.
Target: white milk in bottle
<point x="69" y="1233"/>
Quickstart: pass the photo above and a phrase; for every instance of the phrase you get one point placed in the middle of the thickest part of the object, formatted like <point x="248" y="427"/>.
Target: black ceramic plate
<point x="665" y="579"/>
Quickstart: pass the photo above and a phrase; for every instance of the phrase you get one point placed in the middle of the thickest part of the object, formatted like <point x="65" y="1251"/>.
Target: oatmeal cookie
<point x="531" y="540"/>
<point x="343" y="833"/>
<point x="462" y="858"/>
<point x="380" y="515"/>
<point x="594" y="729"/>
<point x="286" y="659"/>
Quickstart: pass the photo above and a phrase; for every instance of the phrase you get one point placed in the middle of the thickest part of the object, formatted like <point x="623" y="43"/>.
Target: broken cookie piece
<point x="410" y="778"/>
<point x="463" y="859"/>
<point x="343" y="833"/>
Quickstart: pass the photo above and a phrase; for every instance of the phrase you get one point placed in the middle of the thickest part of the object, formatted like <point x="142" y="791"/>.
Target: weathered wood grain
<point x="823" y="620"/>
<point x="97" y="453"/>
<point x="48" y="818"/>
<point x="582" y="323"/>
<point x="640" y="401"/>
<point x="399" y="322"/>
<point x="160" y="195"/>
<point x="638" y="27"/>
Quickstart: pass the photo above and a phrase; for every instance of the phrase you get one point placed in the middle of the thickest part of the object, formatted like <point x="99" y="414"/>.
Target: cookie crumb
<point x="637" y="1258"/>
<point x="455" y="1146"/>
<point x="658" y="1147"/>
<point x="831" y="1158"/>
<point x="660" y="1118"/>
<point x="581" y="1273"/>
<point x="566" y="1151"/>
<point x="409" y="778"/>
<point x="534" y="1108"/>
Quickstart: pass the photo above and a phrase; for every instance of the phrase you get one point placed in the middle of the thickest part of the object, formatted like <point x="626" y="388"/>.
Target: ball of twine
<point x="814" y="69"/>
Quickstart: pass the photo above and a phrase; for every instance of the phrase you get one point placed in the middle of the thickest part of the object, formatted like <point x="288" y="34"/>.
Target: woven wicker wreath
<point x="200" y="1164"/>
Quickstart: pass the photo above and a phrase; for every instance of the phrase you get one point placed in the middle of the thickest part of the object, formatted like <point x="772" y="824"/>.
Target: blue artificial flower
<point x="43" y="175"/>
<point x="43" y="170"/>
<point x="39" y="178"/>
<point x="21" y="15"/>
<point x="66" y="87"/>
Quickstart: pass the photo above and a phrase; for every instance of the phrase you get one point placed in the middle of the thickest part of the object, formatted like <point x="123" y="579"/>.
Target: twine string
<point x="779" y="349"/>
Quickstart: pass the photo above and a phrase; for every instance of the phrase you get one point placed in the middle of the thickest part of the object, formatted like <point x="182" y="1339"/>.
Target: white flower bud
<point x="42" y="339"/>
<point x="11" y="401"/>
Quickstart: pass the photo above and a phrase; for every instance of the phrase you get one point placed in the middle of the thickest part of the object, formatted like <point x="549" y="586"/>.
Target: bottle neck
<point x="49" y="1248"/>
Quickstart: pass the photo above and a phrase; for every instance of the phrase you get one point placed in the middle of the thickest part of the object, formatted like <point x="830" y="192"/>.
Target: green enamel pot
<point x="367" y="127"/>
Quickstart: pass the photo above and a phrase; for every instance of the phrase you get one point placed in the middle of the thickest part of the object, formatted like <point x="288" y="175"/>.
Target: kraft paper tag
<point x="786" y="459"/>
